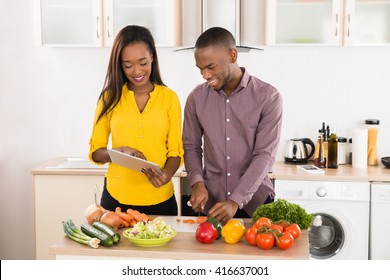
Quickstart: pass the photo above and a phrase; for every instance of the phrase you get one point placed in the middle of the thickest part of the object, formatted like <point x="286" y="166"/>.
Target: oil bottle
<point x="332" y="150"/>
<point x="319" y="157"/>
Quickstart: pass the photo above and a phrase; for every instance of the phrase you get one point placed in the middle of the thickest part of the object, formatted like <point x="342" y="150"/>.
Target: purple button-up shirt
<point x="230" y="143"/>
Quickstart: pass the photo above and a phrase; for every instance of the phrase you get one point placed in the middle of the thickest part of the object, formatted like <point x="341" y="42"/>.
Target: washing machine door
<point x="326" y="236"/>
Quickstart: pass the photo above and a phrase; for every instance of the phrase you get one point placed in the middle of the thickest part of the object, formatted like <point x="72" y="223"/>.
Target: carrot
<point x="125" y="223"/>
<point x="145" y="217"/>
<point x="124" y="216"/>
<point x="201" y="219"/>
<point x="189" y="221"/>
<point x="136" y="215"/>
<point x="132" y="222"/>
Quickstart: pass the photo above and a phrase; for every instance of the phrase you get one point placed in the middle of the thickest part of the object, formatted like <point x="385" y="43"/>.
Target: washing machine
<point x="379" y="226"/>
<point x="340" y="228"/>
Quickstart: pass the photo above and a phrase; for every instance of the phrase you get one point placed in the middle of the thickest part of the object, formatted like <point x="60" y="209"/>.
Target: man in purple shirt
<point x="231" y="132"/>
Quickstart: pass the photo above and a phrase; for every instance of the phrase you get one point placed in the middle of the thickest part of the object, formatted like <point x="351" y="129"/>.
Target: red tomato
<point x="250" y="235"/>
<point x="262" y="221"/>
<point x="277" y="228"/>
<point x="282" y="223"/>
<point x="265" y="240"/>
<point x="294" y="229"/>
<point x="286" y="240"/>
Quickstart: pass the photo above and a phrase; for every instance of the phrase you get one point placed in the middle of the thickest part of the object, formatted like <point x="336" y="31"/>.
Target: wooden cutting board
<point x="180" y="226"/>
<point x="183" y="227"/>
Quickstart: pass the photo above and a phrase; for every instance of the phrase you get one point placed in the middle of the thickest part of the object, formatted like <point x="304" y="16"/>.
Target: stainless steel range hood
<point x="232" y="15"/>
<point x="239" y="49"/>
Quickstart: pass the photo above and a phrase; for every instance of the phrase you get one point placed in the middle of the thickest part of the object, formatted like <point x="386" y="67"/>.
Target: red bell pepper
<point x="206" y="233"/>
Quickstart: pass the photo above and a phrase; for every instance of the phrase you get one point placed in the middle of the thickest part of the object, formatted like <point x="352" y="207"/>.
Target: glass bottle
<point x="372" y="156"/>
<point x="342" y="152"/>
<point x="332" y="150"/>
<point x="319" y="158"/>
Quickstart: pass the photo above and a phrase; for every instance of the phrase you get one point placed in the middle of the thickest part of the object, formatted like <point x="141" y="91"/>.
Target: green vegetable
<point x="108" y="230"/>
<point x="217" y="224"/>
<point x="75" y="234"/>
<point x="91" y="231"/>
<point x="281" y="209"/>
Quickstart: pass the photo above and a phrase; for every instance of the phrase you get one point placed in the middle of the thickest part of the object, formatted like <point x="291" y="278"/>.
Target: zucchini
<point x="91" y="231"/>
<point x="108" y="230"/>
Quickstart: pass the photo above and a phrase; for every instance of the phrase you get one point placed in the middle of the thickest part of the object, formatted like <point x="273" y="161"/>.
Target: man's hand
<point x="199" y="196"/>
<point x="223" y="211"/>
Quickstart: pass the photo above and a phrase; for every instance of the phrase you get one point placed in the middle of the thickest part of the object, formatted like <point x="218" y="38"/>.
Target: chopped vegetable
<point x="200" y="219"/>
<point x="283" y="210"/>
<point x="157" y="228"/>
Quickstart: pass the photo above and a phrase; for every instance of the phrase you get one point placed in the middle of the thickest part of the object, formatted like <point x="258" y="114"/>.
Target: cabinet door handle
<point x="108" y="27"/>
<point x="97" y="28"/>
<point x="337" y="23"/>
<point x="349" y="24"/>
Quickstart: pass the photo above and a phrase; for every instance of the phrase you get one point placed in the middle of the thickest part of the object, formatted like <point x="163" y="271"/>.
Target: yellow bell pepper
<point x="233" y="231"/>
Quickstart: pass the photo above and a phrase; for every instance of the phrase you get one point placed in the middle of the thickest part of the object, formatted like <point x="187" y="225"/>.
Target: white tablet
<point x="131" y="162"/>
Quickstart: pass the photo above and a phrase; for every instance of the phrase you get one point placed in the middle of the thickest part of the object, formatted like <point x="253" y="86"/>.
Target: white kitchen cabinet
<point x="328" y="22"/>
<point x="367" y="22"/>
<point x="96" y="22"/>
<point x="58" y="198"/>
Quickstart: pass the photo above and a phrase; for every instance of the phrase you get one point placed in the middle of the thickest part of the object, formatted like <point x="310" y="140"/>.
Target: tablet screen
<point x="131" y="162"/>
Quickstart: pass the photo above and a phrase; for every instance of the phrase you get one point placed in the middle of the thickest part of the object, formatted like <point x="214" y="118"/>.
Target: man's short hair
<point x="216" y="36"/>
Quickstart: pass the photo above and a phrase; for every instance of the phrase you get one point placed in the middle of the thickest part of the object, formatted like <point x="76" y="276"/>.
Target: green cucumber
<point x="108" y="230"/>
<point x="91" y="231"/>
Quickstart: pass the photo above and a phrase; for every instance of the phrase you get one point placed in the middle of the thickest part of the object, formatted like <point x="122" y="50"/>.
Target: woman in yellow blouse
<point x="143" y="118"/>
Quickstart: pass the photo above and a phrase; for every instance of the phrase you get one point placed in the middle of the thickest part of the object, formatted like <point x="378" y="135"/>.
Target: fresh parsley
<point x="282" y="209"/>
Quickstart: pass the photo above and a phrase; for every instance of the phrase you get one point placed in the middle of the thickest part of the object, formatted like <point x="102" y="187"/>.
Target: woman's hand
<point x="157" y="178"/>
<point x="161" y="177"/>
<point x="131" y="151"/>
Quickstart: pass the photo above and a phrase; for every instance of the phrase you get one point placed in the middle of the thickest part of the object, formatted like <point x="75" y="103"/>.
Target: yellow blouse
<point x="156" y="132"/>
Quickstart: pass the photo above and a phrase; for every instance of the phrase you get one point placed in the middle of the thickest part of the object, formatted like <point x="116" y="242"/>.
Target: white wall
<point x="48" y="97"/>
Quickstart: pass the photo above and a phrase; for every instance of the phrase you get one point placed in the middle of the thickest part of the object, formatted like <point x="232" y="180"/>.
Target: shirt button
<point x="227" y="101"/>
<point x="228" y="174"/>
<point x="227" y="157"/>
<point x="140" y="125"/>
<point x="228" y="120"/>
<point x="141" y="137"/>
<point x="228" y="193"/>
<point x="228" y="138"/>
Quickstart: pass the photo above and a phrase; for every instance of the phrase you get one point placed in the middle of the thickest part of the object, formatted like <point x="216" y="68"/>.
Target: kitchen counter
<point x="77" y="166"/>
<point x="182" y="246"/>
<point x="280" y="170"/>
<point x="283" y="171"/>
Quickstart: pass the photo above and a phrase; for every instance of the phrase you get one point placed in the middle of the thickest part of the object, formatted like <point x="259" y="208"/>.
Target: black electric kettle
<point x="297" y="152"/>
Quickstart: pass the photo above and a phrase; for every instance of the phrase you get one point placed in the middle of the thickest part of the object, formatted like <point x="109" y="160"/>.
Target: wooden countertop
<point x="76" y="166"/>
<point x="283" y="171"/>
<point x="280" y="170"/>
<point x="182" y="246"/>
